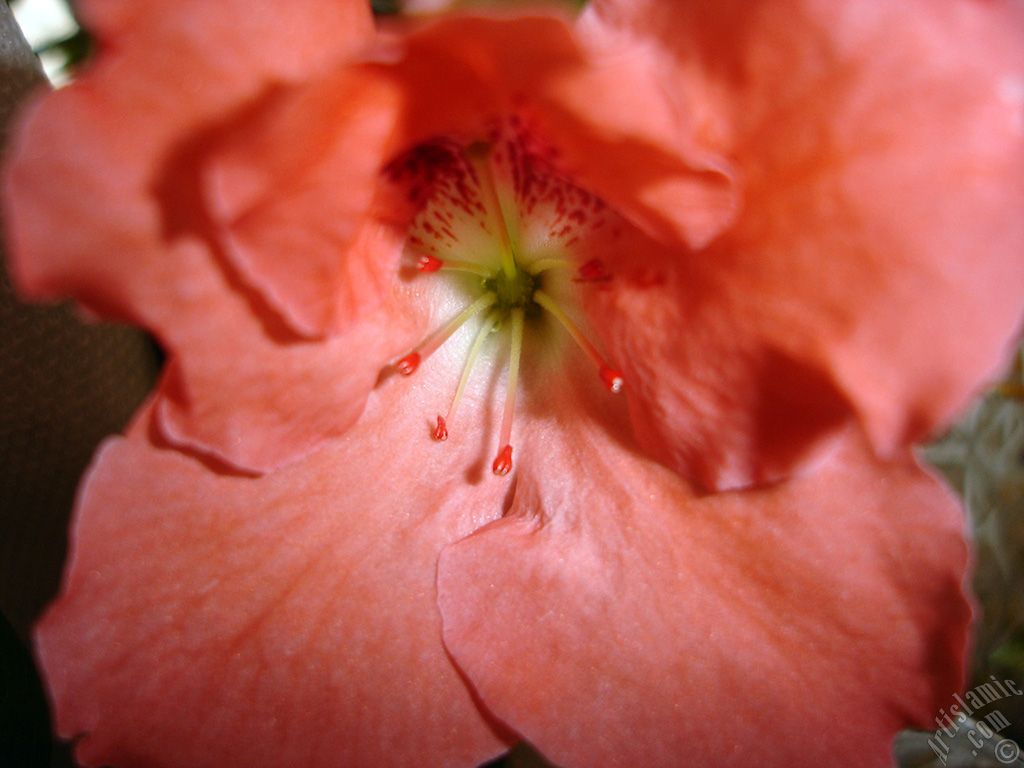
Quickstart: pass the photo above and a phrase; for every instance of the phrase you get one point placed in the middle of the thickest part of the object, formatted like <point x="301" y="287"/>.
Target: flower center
<point x="515" y="292"/>
<point x="503" y="221"/>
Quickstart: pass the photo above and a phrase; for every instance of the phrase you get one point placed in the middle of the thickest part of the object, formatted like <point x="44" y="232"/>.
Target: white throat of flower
<point x="473" y="223"/>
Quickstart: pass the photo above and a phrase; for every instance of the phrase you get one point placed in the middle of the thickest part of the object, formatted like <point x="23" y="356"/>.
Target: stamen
<point x="479" y="155"/>
<point x="503" y="463"/>
<point x="408" y="364"/>
<point x="441" y="432"/>
<point x="427" y="263"/>
<point x="592" y="271"/>
<point x="543" y="265"/>
<point x="612" y="378"/>
<point x="478" y="202"/>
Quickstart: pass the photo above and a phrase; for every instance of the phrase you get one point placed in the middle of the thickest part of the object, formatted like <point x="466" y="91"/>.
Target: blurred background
<point x="51" y="29"/>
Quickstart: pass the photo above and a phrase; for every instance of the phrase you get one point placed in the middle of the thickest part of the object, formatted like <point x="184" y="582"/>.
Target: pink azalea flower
<point x="788" y="230"/>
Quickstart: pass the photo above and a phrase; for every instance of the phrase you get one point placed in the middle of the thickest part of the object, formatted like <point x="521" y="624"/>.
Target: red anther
<point x="592" y="272"/>
<point x="503" y="464"/>
<point x="441" y="430"/>
<point x="407" y="365"/>
<point x="611" y="378"/>
<point x="428" y="263"/>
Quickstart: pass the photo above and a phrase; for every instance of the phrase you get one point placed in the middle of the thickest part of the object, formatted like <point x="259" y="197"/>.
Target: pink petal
<point x="642" y="146"/>
<point x="615" y="618"/>
<point x="461" y="75"/>
<point x="713" y="390"/>
<point x="238" y="388"/>
<point x="876" y="257"/>
<point x="293" y="185"/>
<point x="348" y="20"/>
<point x="131" y="241"/>
<point x="168" y="69"/>
<point x="218" y="620"/>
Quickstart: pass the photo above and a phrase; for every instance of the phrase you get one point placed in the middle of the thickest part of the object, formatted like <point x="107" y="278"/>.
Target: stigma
<point x="497" y="219"/>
